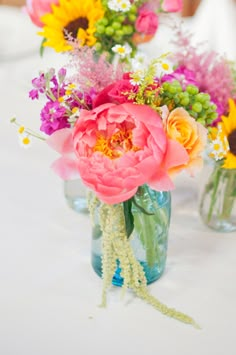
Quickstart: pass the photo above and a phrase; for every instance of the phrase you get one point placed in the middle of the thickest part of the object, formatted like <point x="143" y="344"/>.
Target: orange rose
<point x="183" y="128"/>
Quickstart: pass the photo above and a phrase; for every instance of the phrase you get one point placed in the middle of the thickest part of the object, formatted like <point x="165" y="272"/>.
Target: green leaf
<point x="129" y="218"/>
<point x="41" y="49"/>
<point x="142" y="209"/>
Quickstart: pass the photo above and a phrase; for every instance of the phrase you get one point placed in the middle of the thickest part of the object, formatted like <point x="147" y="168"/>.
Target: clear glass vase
<point x="217" y="203"/>
<point x="149" y="239"/>
<point x="76" y="195"/>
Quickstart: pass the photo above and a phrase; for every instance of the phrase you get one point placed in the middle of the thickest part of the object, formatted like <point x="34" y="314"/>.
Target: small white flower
<point x="119" y="5"/>
<point x="25" y="140"/>
<point x="122" y="51"/>
<point x="218" y="149"/>
<point x="164" y="67"/>
<point x="137" y="77"/>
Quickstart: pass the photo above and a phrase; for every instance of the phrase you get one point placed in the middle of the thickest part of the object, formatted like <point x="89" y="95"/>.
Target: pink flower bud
<point x="37" y="8"/>
<point x="172" y="5"/>
<point x="147" y="22"/>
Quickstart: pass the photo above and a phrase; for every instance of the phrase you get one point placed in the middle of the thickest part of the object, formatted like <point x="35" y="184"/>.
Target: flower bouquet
<point x="126" y="133"/>
<point x="218" y="200"/>
<point x="216" y="75"/>
<point x="110" y="26"/>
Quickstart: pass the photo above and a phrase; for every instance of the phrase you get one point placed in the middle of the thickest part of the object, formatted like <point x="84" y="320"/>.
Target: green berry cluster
<point x="115" y="28"/>
<point x="197" y="103"/>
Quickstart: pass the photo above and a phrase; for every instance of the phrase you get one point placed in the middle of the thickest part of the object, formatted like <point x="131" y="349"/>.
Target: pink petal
<point x="118" y="198"/>
<point x="175" y="154"/>
<point x="66" y="168"/>
<point x="161" y="182"/>
<point x="61" y="141"/>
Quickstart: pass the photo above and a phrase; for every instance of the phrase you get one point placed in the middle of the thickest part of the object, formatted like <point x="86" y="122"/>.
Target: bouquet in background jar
<point x="110" y="26"/>
<point x="218" y="197"/>
<point x="215" y="75"/>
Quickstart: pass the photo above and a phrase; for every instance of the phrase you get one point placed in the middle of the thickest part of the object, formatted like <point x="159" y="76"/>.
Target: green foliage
<point x="129" y="218"/>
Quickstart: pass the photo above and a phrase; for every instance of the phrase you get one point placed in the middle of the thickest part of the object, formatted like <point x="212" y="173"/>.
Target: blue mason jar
<point x="151" y="211"/>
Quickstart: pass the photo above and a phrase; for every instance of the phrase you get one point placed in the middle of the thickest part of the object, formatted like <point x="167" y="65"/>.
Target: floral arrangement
<point x="112" y="26"/>
<point x="221" y="185"/>
<point x="214" y="74"/>
<point x="120" y="128"/>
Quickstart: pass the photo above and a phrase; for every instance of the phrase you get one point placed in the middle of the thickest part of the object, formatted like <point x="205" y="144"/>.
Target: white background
<point x="49" y="294"/>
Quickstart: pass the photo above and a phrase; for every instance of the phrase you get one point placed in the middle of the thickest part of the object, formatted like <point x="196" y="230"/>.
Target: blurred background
<point x="212" y="21"/>
<point x="189" y="7"/>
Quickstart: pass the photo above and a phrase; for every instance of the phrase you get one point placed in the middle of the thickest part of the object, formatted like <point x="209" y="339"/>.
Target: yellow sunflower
<point x="73" y="17"/>
<point x="228" y="125"/>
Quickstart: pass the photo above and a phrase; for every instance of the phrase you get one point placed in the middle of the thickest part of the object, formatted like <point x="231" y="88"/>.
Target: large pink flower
<point x="118" y="148"/>
<point x="37" y="8"/>
<point x="172" y="5"/>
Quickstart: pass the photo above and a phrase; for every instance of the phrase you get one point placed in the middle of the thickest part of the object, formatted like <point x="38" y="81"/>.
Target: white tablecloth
<point x="49" y="293"/>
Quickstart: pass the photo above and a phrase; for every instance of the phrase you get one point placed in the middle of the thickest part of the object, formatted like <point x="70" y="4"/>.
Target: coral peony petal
<point x="61" y="141"/>
<point x="175" y="154"/>
<point x="161" y="181"/>
<point x="117" y="198"/>
<point x="66" y="168"/>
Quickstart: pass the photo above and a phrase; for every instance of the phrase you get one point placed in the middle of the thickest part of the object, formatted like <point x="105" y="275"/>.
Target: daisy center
<point x="73" y="26"/>
<point x="232" y="142"/>
<point x="115" y="146"/>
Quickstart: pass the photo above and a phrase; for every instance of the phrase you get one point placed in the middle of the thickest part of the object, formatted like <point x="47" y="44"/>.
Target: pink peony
<point x="37" y="8"/>
<point x="116" y="149"/>
<point x="147" y="22"/>
<point x="172" y="5"/>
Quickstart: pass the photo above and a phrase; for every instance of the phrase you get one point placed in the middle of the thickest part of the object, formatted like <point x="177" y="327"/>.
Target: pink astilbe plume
<point x="213" y="73"/>
<point x="92" y="71"/>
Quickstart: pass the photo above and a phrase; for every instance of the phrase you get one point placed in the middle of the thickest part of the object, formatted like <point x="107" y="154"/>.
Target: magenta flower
<point x="37" y="8"/>
<point x="183" y="75"/>
<point x="53" y="117"/>
<point x="116" y="149"/>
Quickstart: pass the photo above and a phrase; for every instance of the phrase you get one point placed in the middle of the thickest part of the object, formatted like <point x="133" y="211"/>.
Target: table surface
<point x="49" y="293"/>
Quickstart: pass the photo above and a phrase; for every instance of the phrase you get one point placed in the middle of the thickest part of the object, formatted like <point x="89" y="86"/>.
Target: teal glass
<point x="149" y="239"/>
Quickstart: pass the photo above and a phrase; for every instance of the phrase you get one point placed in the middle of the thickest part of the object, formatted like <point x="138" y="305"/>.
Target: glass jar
<point x="217" y="203"/>
<point x="151" y="212"/>
<point x="76" y="195"/>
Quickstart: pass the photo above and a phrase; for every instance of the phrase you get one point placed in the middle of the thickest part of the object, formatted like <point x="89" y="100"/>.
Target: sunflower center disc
<point x="73" y="27"/>
<point x="232" y="142"/>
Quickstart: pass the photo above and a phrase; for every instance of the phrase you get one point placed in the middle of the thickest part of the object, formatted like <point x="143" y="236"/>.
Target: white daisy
<point x="119" y="5"/>
<point x="122" y="51"/>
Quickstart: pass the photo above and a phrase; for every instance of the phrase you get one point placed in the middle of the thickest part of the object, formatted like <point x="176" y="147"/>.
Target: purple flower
<point x="61" y="74"/>
<point x="53" y="117"/>
<point x="34" y="94"/>
<point x="39" y="83"/>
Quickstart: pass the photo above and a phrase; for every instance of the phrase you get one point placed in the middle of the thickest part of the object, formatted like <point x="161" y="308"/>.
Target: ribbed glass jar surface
<point x="217" y="203"/>
<point x="149" y="239"/>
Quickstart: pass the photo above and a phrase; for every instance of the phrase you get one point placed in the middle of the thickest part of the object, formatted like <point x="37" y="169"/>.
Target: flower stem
<point x="211" y="187"/>
<point x="229" y="197"/>
<point x="149" y="224"/>
<point x="116" y="246"/>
